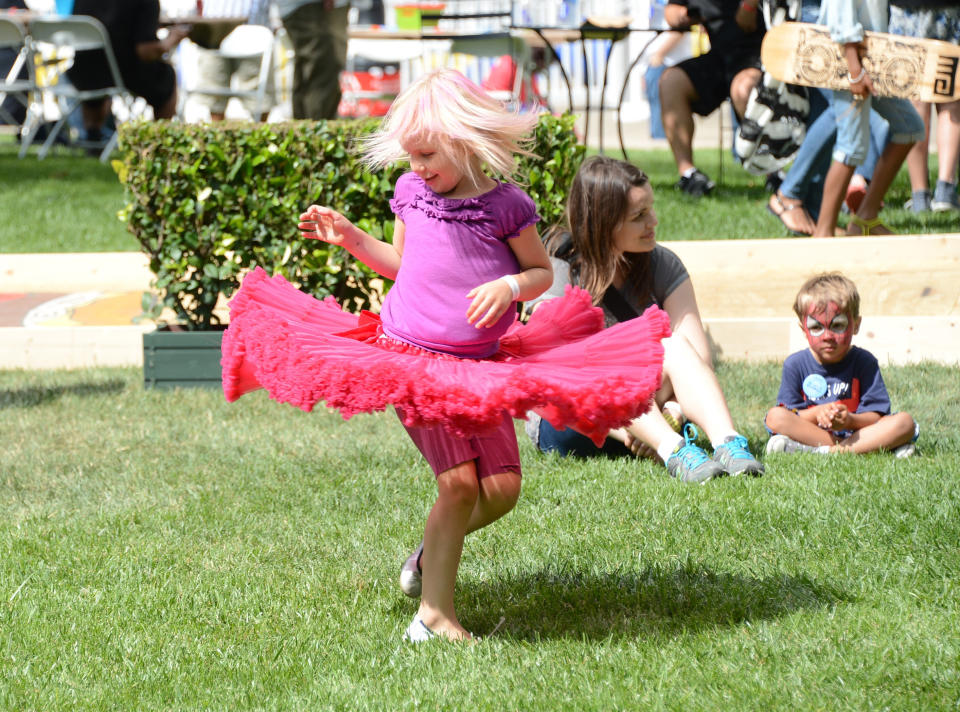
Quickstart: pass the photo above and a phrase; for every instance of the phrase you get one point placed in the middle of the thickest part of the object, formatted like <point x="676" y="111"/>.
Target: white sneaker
<point x="908" y="450"/>
<point x="417" y="632"/>
<point x="782" y="443"/>
<point x="411" y="575"/>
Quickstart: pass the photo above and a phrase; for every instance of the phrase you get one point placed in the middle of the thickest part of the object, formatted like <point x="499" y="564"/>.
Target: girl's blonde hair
<point x="449" y="109"/>
<point x="821" y="289"/>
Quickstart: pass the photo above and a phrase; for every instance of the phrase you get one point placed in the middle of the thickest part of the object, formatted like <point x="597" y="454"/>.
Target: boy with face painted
<point x="832" y="397"/>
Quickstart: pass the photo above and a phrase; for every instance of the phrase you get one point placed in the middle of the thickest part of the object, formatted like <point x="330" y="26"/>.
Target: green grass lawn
<point x="167" y="550"/>
<point x="69" y="203"/>
<point x="64" y="203"/>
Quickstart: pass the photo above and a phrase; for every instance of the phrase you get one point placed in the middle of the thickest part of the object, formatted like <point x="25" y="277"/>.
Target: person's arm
<point x="860" y="82"/>
<point x="154" y="50"/>
<point x="746" y="16"/>
<point x="681" y="306"/>
<point x="679" y="17"/>
<point x="326" y="224"/>
<point x="491" y="299"/>
<point x="665" y="44"/>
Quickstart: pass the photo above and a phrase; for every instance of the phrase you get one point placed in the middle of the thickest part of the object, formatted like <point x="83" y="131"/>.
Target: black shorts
<point x="154" y="81"/>
<point x="712" y="74"/>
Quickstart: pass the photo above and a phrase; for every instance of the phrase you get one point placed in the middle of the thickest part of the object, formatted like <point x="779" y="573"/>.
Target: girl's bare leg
<point x="498" y="495"/>
<point x="889" y="164"/>
<point x="447" y="525"/>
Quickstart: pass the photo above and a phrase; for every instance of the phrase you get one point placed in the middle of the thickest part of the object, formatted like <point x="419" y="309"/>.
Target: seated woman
<point x="132" y="26"/>
<point x="608" y="247"/>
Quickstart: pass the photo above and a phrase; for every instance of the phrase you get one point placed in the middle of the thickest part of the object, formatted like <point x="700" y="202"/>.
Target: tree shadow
<point x="555" y="603"/>
<point x="39" y="395"/>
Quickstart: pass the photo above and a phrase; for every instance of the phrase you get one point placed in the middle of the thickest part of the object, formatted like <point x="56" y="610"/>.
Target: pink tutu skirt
<point x="562" y="364"/>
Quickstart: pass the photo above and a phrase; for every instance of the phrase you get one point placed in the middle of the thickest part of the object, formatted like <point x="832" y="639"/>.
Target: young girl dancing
<point x="446" y="351"/>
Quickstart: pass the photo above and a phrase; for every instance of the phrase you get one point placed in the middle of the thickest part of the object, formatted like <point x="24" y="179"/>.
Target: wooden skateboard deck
<point x="905" y="67"/>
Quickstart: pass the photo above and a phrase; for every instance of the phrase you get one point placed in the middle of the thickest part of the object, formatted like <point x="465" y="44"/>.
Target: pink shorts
<point x="494" y="451"/>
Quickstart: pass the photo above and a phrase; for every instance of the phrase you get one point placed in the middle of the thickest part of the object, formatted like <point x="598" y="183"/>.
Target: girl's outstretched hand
<point x="490" y="301"/>
<point x="322" y="223"/>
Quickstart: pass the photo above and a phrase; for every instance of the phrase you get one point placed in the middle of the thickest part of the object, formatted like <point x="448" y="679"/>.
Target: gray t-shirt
<point x="668" y="274"/>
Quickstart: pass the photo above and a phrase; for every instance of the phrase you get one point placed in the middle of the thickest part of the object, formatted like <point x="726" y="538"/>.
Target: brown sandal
<point x="779" y="209"/>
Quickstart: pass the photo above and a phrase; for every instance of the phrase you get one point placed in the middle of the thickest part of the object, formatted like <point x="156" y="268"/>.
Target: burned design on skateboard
<point x="905" y="67"/>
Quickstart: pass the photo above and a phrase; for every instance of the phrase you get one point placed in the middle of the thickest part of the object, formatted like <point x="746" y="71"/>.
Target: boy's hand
<point x="322" y="223"/>
<point x="833" y="416"/>
<point x="490" y="301"/>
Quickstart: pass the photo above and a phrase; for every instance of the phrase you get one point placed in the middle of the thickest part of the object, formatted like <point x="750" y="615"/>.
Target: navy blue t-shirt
<point x="855" y="381"/>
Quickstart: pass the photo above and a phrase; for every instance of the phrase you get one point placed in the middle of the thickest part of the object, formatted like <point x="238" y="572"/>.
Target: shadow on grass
<point x="552" y="604"/>
<point x="39" y="395"/>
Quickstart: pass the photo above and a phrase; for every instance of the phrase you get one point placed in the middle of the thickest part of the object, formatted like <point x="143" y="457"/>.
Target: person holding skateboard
<point x="847" y="20"/>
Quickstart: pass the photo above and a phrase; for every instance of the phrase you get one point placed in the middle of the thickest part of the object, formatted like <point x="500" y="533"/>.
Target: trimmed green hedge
<point x="208" y="201"/>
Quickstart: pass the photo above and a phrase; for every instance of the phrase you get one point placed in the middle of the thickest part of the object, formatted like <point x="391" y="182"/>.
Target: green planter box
<point x="184" y="359"/>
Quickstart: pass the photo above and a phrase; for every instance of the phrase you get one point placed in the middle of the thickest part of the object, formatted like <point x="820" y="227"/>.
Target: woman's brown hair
<point x="597" y="204"/>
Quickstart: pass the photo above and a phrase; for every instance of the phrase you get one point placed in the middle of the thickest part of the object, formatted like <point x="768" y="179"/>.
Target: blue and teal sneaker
<point x="735" y="458"/>
<point x="689" y="463"/>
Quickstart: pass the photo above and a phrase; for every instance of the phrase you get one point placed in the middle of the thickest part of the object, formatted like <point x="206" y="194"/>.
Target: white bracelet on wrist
<point x="856" y="80"/>
<point x="513" y="283"/>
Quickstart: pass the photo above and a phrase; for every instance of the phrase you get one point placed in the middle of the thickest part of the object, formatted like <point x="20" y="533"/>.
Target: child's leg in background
<point x="906" y="128"/>
<point x="918" y="164"/>
<point x="889" y="432"/>
<point x="849" y="151"/>
<point x="948" y="154"/>
<point x="834" y="192"/>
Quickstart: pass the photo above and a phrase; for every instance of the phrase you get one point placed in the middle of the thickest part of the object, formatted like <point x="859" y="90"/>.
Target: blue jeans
<point x="805" y="178"/>
<point x="651" y="79"/>
<point x="569" y="443"/>
<point x="855" y="124"/>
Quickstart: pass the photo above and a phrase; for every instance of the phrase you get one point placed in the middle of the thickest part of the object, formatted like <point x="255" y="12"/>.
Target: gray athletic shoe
<point x="782" y="443"/>
<point x="411" y="575"/>
<point x="689" y="463"/>
<point x="945" y="197"/>
<point x="735" y="457"/>
<point x="920" y="202"/>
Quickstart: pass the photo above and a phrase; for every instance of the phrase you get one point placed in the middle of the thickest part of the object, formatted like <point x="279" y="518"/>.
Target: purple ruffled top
<point x="452" y="245"/>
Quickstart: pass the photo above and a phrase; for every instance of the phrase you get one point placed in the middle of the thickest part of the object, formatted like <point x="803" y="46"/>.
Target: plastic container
<point x="416" y="16"/>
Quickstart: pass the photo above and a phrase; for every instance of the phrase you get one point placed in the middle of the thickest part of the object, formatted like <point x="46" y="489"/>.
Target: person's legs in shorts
<point x="696" y="85"/>
<point x="478" y="481"/>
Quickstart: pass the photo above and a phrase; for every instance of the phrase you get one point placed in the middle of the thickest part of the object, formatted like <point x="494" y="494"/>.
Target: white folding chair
<point x="68" y="35"/>
<point x="14" y="37"/>
<point x="246" y="42"/>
